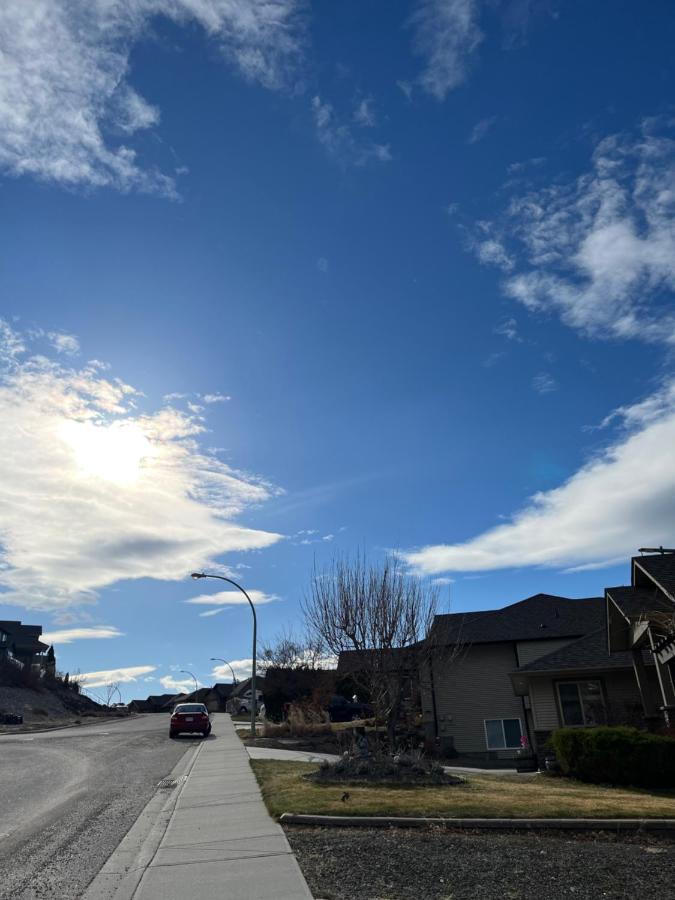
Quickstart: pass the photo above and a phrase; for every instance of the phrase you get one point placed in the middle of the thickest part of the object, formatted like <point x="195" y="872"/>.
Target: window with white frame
<point x="581" y="702"/>
<point x="503" y="734"/>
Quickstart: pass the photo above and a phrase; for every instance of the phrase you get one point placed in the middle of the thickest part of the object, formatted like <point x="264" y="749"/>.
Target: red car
<point x="190" y="718"/>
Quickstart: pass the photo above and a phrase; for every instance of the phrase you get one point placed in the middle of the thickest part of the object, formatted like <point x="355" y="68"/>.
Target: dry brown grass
<point x="285" y="790"/>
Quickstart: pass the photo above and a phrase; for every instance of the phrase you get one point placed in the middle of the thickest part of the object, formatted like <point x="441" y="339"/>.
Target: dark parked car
<point x="190" y="718"/>
<point x="10" y="719"/>
<point x="342" y="710"/>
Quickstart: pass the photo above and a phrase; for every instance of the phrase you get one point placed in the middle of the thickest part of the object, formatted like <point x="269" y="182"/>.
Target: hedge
<point x="616" y="755"/>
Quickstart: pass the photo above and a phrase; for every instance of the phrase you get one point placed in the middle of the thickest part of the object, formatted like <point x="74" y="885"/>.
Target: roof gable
<point x="657" y="568"/>
<point x="536" y="617"/>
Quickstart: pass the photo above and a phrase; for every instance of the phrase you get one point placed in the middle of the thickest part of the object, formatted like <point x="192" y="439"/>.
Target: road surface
<point x="67" y="798"/>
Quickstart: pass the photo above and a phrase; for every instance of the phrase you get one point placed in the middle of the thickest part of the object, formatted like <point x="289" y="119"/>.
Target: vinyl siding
<point x="528" y="651"/>
<point x="475" y="688"/>
<point x="621" y="694"/>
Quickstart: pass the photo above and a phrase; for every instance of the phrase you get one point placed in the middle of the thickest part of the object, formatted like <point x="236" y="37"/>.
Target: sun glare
<point x="115" y="452"/>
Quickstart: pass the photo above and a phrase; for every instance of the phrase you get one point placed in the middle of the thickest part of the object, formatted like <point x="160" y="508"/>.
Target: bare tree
<point x="109" y="689"/>
<point x="383" y="616"/>
<point x="290" y="651"/>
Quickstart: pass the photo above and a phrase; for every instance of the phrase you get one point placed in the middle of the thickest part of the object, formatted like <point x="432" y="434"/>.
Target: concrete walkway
<point x="217" y="840"/>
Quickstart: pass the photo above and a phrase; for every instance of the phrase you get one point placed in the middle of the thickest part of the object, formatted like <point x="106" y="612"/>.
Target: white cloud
<point x="232" y="598"/>
<point x="480" y="129"/>
<point x="212" y="612"/>
<point x="622" y="499"/>
<point x="182" y="686"/>
<point x="599" y="251"/>
<point x="68" y="635"/>
<point x="92" y="491"/>
<point x="508" y="328"/>
<point x="339" y="140"/>
<point x="242" y="669"/>
<point x="106" y="676"/>
<point x="364" y="114"/>
<point x="322" y="264"/>
<point x="543" y="383"/>
<point x="67" y="344"/>
<point x="64" y="66"/>
<point x="216" y="398"/>
<point x="446" y="36"/>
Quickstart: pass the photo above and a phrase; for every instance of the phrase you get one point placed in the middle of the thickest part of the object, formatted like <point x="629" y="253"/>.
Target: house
<point x="242" y="692"/>
<point x="21" y="645"/>
<point x="641" y="625"/>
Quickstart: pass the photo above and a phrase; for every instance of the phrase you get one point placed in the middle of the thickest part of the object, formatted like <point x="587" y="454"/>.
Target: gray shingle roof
<point x="661" y="568"/>
<point x="636" y="602"/>
<point x="588" y="652"/>
<point x="538" y="617"/>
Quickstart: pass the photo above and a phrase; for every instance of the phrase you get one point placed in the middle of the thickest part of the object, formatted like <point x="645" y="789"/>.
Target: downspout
<point x="522" y="701"/>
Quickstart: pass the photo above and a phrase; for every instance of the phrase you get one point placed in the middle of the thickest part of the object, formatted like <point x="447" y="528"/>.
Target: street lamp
<point x="185" y="672"/>
<point x="220" y="659"/>
<point x="254" y="696"/>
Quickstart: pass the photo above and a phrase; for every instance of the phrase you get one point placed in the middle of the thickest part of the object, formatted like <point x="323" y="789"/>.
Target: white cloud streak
<point x="182" y="686"/>
<point x="68" y="635"/>
<point x="622" y="499"/>
<point x="64" y="66"/>
<point x="93" y="492"/>
<point x="599" y="251"/>
<point x="232" y="598"/>
<point x="446" y="35"/>
<point x="123" y="675"/>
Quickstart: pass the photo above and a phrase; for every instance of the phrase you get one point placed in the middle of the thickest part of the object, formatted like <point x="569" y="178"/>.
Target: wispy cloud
<point x="622" y="499"/>
<point x="94" y="491"/>
<point x="68" y="635"/>
<point x="364" y="114"/>
<point x="340" y="141"/>
<point x="598" y="251"/>
<point x="123" y="675"/>
<point x="232" y="598"/>
<point x="64" y="89"/>
<point x="508" y="328"/>
<point x="446" y="35"/>
<point x="544" y="383"/>
<point x="481" y="129"/>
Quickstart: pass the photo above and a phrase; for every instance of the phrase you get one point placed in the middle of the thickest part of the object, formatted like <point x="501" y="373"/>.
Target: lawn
<point x="285" y="790"/>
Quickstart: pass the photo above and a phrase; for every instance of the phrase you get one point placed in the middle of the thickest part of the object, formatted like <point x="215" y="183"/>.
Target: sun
<point x="116" y="452"/>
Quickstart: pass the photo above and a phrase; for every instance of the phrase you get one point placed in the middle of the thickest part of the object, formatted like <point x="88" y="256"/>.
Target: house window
<point x="581" y="703"/>
<point x="503" y="734"/>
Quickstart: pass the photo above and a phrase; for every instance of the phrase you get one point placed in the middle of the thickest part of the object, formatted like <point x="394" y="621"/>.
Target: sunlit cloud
<point x="182" y="686"/>
<point x="104" y="677"/>
<point x="598" y="251"/>
<point x="68" y="635"/>
<point x="232" y="598"/>
<point x="94" y="491"/>
<point x="622" y="499"/>
<point x="67" y="109"/>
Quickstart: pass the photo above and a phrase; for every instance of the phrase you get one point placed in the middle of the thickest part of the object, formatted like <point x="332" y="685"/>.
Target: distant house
<point x="21" y="645"/>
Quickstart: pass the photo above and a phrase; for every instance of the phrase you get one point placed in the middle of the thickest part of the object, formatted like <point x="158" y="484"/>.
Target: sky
<point x="285" y="279"/>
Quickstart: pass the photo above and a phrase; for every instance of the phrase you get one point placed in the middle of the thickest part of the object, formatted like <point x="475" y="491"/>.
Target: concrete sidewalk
<point x="217" y="840"/>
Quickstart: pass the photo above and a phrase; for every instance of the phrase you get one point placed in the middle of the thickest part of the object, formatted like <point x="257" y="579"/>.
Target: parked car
<point x="190" y="718"/>
<point x="245" y="703"/>
<point x="10" y="719"/>
<point x="342" y="710"/>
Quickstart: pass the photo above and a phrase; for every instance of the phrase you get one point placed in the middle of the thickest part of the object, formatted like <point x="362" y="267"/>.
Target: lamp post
<point x="254" y="696"/>
<point x="185" y="672"/>
<point x="220" y="659"/>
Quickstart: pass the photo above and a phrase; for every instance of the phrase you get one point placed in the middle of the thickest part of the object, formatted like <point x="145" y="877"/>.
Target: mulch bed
<point x="434" y="864"/>
<point x="385" y="771"/>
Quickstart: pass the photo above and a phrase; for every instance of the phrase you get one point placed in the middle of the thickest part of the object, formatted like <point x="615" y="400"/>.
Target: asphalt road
<point x="68" y="797"/>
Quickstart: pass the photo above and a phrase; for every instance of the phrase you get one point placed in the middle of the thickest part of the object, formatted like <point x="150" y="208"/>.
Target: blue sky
<point x="388" y="276"/>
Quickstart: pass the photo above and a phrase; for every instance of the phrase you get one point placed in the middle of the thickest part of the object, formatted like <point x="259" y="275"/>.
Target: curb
<point x="481" y="824"/>
<point x="96" y="721"/>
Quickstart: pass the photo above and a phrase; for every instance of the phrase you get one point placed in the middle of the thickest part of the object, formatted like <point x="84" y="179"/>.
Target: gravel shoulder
<point x="397" y="864"/>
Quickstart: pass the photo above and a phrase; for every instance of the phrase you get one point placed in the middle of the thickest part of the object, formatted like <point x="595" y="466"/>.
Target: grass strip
<point x="285" y="790"/>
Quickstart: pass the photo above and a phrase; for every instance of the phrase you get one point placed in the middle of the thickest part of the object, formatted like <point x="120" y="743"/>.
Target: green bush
<point x="616" y="755"/>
